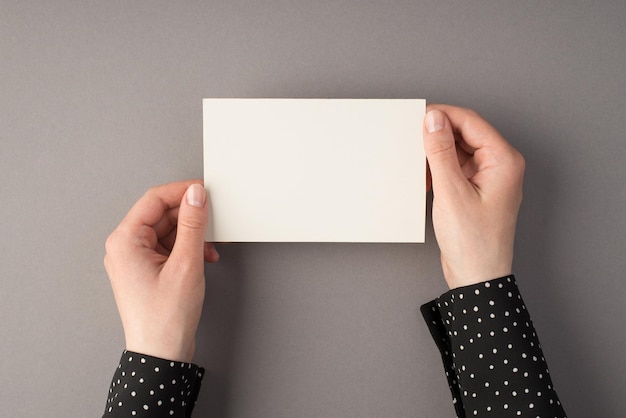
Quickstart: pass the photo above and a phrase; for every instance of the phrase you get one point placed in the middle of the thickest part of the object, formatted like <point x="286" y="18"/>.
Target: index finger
<point x="151" y="207"/>
<point x="475" y="131"/>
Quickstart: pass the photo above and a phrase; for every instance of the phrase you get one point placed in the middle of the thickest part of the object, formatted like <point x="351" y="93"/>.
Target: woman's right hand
<point x="477" y="185"/>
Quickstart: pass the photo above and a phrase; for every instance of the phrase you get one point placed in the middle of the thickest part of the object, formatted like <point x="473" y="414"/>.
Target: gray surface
<point x="101" y="100"/>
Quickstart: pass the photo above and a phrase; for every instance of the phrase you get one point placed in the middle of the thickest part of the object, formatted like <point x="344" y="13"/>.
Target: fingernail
<point x="434" y="121"/>
<point x="196" y="195"/>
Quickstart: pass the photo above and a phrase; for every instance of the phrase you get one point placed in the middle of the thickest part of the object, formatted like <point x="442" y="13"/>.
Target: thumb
<point x="192" y="223"/>
<point x="440" y="148"/>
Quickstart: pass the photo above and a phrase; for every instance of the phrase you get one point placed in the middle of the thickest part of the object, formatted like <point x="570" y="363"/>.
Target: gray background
<point x="101" y="100"/>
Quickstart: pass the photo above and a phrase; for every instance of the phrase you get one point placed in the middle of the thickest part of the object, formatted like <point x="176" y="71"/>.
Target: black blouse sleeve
<point x="491" y="354"/>
<point x="146" y="386"/>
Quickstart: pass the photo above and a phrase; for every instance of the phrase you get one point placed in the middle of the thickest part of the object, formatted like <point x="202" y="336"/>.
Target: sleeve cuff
<point x="492" y="358"/>
<point x="150" y="386"/>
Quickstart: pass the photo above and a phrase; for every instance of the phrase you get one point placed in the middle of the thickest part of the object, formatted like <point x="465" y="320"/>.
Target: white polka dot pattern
<point x="146" y="386"/>
<point x="491" y="354"/>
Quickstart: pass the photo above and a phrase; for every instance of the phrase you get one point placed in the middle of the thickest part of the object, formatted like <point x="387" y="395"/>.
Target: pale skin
<point x="155" y="262"/>
<point x="477" y="186"/>
<point x="155" y="257"/>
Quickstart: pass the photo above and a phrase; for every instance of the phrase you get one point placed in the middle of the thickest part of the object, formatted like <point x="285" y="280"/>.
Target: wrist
<point x="165" y="348"/>
<point x="456" y="277"/>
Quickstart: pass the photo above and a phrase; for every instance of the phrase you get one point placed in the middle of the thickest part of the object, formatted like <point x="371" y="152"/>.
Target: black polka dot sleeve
<point x="146" y="386"/>
<point x="491" y="354"/>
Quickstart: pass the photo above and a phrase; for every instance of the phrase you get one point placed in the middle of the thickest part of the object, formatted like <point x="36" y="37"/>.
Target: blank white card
<point x="315" y="170"/>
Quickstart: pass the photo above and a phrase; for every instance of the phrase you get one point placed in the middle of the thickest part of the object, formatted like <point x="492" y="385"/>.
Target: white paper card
<point x="315" y="170"/>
